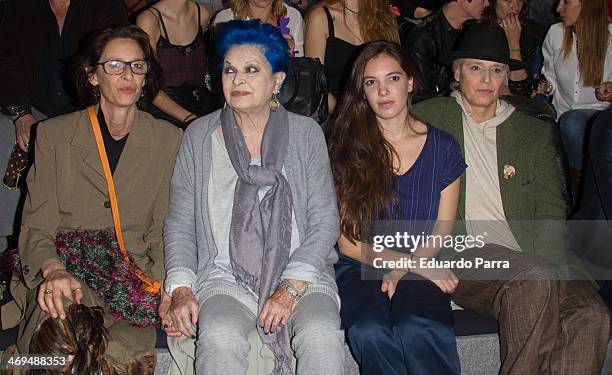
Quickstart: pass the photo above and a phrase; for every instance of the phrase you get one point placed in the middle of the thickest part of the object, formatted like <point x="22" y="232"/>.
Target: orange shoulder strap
<point x="151" y="285"/>
<point x="112" y="195"/>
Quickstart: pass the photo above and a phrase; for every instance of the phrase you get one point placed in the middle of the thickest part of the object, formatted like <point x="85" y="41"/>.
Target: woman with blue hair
<point x="252" y="223"/>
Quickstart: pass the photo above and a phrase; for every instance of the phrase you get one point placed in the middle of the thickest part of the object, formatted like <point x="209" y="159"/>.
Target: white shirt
<point x="296" y="25"/>
<point x="568" y="90"/>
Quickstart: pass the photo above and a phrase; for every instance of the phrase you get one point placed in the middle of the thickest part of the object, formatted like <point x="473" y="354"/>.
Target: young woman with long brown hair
<point x="388" y="165"/>
<point x="336" y="28"/>
<point x="578" y="69"/>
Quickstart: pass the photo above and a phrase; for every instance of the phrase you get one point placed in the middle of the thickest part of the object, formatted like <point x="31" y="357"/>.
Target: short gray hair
<point x="457" y="64"/>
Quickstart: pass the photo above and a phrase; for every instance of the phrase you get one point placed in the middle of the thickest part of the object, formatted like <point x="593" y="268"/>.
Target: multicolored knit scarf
<point x="94" y="257"/>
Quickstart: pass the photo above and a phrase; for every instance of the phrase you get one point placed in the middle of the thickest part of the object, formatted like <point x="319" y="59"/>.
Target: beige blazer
<point x="67" y="191"/>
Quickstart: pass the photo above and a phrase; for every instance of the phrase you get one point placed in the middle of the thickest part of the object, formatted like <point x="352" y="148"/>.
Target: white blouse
<point x="568" y="89"/>
<point x="296" y="25"/>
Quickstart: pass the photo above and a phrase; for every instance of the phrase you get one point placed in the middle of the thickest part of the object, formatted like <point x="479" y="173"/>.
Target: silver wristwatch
<point x="293" y="291"/>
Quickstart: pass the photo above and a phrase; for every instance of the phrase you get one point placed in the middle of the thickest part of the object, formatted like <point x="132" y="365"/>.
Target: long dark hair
<point x="361" y="157"/>
<point x="84" y="65"/>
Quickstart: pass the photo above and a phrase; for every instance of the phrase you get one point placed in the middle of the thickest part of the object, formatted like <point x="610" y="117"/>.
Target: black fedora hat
<point x="481" y="42"/>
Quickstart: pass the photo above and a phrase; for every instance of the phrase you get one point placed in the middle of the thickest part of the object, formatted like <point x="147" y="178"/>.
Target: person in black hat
<point x="548" y="312"/>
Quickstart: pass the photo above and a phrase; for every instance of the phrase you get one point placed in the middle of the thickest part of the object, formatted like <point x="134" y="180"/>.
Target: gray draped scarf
<point x="260" y="232"/>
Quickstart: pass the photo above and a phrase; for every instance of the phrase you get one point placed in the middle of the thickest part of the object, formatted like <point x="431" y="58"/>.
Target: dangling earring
<point x="142" y="91"/>
<point x="274" y="104"/>
<point x="96" y="92"/>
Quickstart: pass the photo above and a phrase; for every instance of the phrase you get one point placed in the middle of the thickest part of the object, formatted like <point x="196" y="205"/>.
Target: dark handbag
<point x="305" y="88"/>
<point x="197" y="100"/>
<point x="16" y="168"/>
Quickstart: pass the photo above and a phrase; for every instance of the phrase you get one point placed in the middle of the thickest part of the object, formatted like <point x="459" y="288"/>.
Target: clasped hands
<point x="179" y="312"/>
<point x="443" y="278"/>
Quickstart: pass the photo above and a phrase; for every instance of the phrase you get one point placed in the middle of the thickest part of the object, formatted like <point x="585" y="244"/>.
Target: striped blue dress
<point x="412" y="333"/>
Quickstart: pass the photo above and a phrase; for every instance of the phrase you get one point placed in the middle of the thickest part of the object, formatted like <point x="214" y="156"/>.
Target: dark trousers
<point x="412" y="333"/>
<point x="546" y="325"/>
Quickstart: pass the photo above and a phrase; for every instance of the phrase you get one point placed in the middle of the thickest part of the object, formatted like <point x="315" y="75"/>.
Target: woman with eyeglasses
<point x="69" y="206"/>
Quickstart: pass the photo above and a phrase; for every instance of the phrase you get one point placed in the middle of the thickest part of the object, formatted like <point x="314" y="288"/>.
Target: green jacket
<point x="532" y="199"/>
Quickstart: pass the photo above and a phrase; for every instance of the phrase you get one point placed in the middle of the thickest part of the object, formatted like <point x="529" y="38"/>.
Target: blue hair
<point x="254" y="32"/>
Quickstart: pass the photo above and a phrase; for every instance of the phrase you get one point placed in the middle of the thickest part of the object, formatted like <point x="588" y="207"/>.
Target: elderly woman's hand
<point x="278" y="308"/>
<point x="163" y="310"/>
<point x="183" y="311"/>
<point x="58" y="283"/>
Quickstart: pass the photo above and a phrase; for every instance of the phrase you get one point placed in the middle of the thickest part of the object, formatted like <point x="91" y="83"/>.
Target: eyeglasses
<point x="117" y="67"/>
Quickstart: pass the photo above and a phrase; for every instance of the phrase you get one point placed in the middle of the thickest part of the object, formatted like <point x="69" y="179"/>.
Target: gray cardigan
<point x="189" y="246"/>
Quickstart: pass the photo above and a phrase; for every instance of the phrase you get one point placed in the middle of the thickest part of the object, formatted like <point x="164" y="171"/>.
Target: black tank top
<point x="339" y="58"/>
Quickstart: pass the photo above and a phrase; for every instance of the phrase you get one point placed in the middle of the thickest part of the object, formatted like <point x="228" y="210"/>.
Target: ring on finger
<point x="76" y="289"/>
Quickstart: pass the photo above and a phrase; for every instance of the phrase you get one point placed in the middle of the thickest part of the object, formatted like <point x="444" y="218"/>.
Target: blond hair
<point x="375" y="18"/>
<point x="240" y="9"/>
<point x="593" y="40"/>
